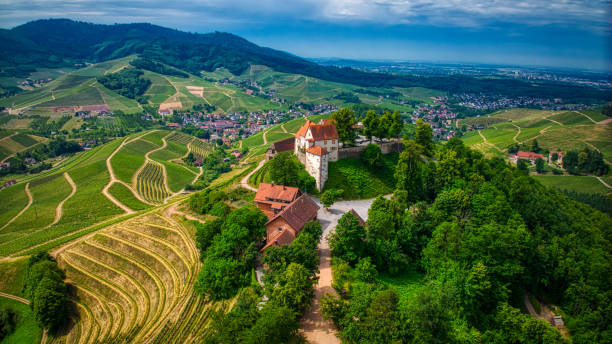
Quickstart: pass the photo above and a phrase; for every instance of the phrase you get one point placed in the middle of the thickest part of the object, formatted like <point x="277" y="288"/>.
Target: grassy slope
<point x="358" y="181"/>
<point x="121" y="192"/>
<point x="129" y="158"/>
<point x="12" y="276"/>
<point x="586" y="184"/>
<point x="27" y="330"/>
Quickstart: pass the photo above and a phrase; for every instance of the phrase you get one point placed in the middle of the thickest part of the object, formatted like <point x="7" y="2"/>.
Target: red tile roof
<point x="325" y="131"/>
<point x="529" y="155"/>
<point x="284" y="145"/>
<point x="285" y="237"/>
<point x="317" y="150"/>
<point x="299" y="212"/>
<point x="267" y="192"/>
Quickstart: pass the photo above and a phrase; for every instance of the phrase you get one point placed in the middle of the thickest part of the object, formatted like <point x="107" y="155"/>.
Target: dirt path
<point x="263" y="134"/>
<point x="244" y="182"/>
<point x="517" y="134"/>
<point x="172" y="211"/>
<point x="282" y="126"/>
<point x="605" y="121"/>
<point x="487" y="142"/>
<point x="30" y="200"/>
<point x="59" y="210"/>
<point x="604" y="183"/>
<point x="585" y="115"/>
<point x="113" y="178"/>
<point x="314" y="328"/>
<point x="8" y="137"/>
<point x="16" y="298"/>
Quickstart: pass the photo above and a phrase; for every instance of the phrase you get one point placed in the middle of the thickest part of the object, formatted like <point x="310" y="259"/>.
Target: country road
<point x="244" y="182"/>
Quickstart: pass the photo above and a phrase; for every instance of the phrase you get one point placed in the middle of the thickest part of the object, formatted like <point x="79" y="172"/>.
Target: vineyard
<point x="150" y="183"/>
<point x="134" y="283"/>
<point x="180" y="138"/>
<point x="199" y="148"/>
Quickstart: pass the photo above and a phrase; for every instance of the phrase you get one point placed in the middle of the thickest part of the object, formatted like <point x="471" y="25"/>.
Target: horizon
<point x="473" y="31"/>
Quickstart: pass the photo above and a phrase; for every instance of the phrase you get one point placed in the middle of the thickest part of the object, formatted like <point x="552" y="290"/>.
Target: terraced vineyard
<point x="180" y="138"/>
<point x="134" y="283"/>
<point x="199" y="148"/>
<point x="150" y="183"/>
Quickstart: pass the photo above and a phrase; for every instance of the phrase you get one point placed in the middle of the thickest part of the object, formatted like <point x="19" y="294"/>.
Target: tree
<point x="424" y="137"/>
<point x="372" y="155"/>
<point x="384" y="124"/>
<point x="523" y="165"/>
<point x="396" y="126"/>
<point x="539" y="163"/>
<point x="50" y="303"/>
<point x="347" y="241"/>
<point x="408" y="171"/>
<point x="295" y="288"/>
<point x="345" y="124"/>
<point x="285" y="169"/>
<point x="276" y="324"/>
<point x="8" y="321"/>
<point x="329" y="197"/>
<point x="370" y="124"/>
<point x="366" y="271"/>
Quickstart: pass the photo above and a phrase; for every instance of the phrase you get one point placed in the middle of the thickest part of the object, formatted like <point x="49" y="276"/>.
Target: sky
<point x="555" y="33"/>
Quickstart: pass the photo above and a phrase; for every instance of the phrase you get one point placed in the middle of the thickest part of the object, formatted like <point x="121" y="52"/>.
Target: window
<point x="280" y="229"/>
<point x="333" y="141"/>
<point x="324" y="142"/>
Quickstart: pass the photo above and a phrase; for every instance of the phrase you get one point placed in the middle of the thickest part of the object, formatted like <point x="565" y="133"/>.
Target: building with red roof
<point x="530" y="156"/>
<point x="285" y="226"/>
<point x="272" y="199"/>
<point x="316" y="145"/>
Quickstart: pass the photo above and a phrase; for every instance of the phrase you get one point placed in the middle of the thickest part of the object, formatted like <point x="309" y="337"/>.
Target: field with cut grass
<point x="360" y="182"/>
<point x="582" y="184"/>
<point x="15" y="142"/>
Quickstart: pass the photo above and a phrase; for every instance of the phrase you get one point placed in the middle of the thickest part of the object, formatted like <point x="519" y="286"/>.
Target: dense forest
<point x="484" y="234"/>
<point x="128" y="83"/>
<point x="60" y="42"/>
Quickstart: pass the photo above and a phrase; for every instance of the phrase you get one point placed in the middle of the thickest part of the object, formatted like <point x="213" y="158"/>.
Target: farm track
<point x="30" y="201"/>
<point x="8" y="137"/>
<point x="244" y="182"/>
<point x="113" y="178"/>
<point x="587" y="116"/>
<point x="487" y="142"/>
<point x="517" y="134"/>
<point x="59" y="210"/>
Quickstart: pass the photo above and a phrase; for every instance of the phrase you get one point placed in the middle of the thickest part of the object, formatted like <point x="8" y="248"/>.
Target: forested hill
<point x="61" y="42"/>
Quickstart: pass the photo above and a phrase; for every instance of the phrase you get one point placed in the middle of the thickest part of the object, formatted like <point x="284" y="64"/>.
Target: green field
<point x="122" y="193"/>
<point x="583" y="184"/>
<point x="129" y="159"/>
<point x="27" y="330"/>
<point x="554" y="130"/>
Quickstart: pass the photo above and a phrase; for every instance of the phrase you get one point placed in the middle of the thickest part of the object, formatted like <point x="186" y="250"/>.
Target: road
<point x="314" y="328"/>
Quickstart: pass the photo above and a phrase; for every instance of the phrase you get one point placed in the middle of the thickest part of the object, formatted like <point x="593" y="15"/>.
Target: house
<point x="530" y="156"/>
<point x="236" y="154"/>
<point x="198" y="162"/>
<point x="285" y="226"/>
<point x="173" y="125"/>
<point x="5" y="165"/>
<point x="29" y="161"/>
<point x="280" y="146"/>
<point x="315" y="146"/>
<point x="272" y="199"/>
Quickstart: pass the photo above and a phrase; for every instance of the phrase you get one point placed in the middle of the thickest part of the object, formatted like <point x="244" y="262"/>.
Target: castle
<point x="315" y="146"/>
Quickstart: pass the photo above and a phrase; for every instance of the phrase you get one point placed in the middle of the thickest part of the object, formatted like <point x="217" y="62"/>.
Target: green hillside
<point x="68" y="201"/>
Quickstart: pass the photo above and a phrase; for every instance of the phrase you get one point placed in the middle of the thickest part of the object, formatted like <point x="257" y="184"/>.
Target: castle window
<point x="333" y="141"/>
<point x="280" y="229"/>
<point x="324" y="142"/>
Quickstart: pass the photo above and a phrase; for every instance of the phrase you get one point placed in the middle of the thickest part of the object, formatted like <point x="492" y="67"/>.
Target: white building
<point x="315" y="146"/>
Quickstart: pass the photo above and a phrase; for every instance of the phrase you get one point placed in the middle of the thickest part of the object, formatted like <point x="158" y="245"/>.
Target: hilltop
<point x="57" y="43"/>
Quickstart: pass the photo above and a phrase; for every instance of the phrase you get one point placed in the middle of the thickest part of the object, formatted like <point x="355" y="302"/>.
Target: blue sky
<point x="567" y="33"/>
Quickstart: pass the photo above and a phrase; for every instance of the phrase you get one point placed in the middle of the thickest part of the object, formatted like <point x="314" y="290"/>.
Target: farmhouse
<point x="272" y="199"/>
<point x="285" y="226"/>
<point x="315" y="146"/>
<point x="530" y="156"/>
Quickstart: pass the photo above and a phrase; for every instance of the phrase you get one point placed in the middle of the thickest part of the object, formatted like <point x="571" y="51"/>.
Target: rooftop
<point x="317" y="150"/>
<point x="324" y="131"/>
<point x="270" y="192"/>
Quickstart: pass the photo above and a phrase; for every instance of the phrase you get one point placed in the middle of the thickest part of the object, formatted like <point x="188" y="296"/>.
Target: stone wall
<point x="355" y="152"/>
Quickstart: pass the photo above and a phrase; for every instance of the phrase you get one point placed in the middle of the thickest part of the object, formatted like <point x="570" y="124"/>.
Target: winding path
<point x="244" y="182"/>
<point x="30" y="201"/>
<point x="517" y="134"/>
<point x="315" y="328"/>
<point x="487" y="142"/>
<point x="59" y="210"/>
<point x="585" y="115"/>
